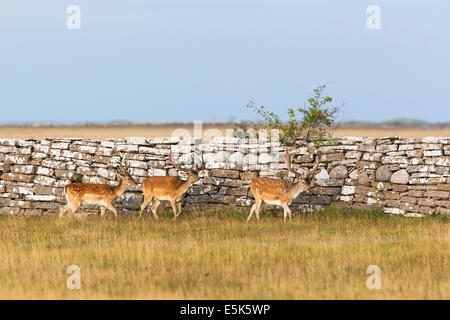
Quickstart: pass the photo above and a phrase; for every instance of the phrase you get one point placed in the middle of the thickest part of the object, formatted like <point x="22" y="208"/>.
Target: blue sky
<point x="204" y="60"/>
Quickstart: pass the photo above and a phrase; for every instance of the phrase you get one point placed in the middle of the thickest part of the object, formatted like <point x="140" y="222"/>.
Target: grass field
<point x="216" y="255"/>
<point x="165" y="130"/>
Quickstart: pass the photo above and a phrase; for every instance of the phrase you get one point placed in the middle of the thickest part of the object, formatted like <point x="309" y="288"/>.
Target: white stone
<point x="156" y="151"/>
<point x="404" y="147"/>
<point x="88" y="149"/>
<point x="26" y="169"/>
<point x="93" y="180"/>
<point x="443" y="161"/>
<point x="267" y="173"/>
<point x="265" y="158"/>
<point x="394" y="211"/>
<point x="55" y="152"/>
<point x="432" y="153"/>
<point x="164" y="140"/>
<point x="353" y="139"/>
<point x="115" y="160"/>
<point x="430" y="140"/>
<point x="186" y="159"/>
<point x="431" y="146"/>
<point x="354" y="174"/>
<point x="346" y="147"/>
<point x="322" y="175"/>
<point x="108" y="174"/>
<point x="9" y="158"/>
<point x="209" y="158"/>
<point x="400" y="177"/>
<point x="222" y="157"/>
<point x="107" y="144"/>
<point x="301" y="150"/>
<point x="161" y="172"/>
<point x="346" y="198"/>
<point x="181" y="148"/>
<point x="41" y="148"/>
<point x="136" y="140"/>
<point x="251" y="159"/>
<point x="40" y="198"/>
<point x="347" y="190"/>
<point x="127" y="148"/>
<point x="8" y="142"/>
<point x="68" y="154"/>
<point x="353" y="155"/>
<point x="236" y="157"/>
<point x="134" y="172"/>
<point x="414" y="215"/>
<point x="60" y="146"/>
<point x="45" y="181"/>
<point x="136" y="164"/>
<point x="395" y="159"/>
<point x="24" y="190"/>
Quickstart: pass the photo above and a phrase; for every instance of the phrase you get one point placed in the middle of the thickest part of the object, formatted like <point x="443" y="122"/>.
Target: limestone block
<point x="400" y="177"/>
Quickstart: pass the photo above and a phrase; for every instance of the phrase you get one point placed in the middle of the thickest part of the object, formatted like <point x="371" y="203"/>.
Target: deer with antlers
<point x="281" y="192"/>
<point x="168" y="188"/>
<point x="98" y="194"/>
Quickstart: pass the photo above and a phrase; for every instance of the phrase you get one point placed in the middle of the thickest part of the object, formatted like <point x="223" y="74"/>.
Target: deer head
<point x="124" y="173"/>
<point x="193" y="172"/>
<point x="305" y="178"/>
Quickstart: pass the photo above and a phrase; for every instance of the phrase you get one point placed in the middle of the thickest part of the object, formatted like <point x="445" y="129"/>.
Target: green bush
<point x="311" y="123"/>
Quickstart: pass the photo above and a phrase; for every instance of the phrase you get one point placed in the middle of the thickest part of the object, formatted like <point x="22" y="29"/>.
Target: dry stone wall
<point x="402" y="176"/>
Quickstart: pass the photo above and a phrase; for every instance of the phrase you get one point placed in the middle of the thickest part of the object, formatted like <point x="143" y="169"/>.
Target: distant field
<point x="217" y="255"/>
<point x="162" y="130"/>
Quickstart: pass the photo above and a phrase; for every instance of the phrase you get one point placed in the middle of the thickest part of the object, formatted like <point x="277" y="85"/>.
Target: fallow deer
<point x="98" y="194"/>
<point x="168" y="188"/>
<point x="281" y="192"/>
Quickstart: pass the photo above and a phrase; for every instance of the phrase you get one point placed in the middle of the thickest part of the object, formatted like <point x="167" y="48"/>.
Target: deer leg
<point x="180" y="208"/>
<point x="102" y="211"/>
<point x="287" y="211"/>
<point x="284" y="212"/>
<point x="155" y="206"/>
<point x="63" y="210"/>
<point x="73" y="206"/>
<point x="144" y="205"/>
<point x="174" y="208"/>
<point x="258" y="207"/>
<point x="251" y="212"/>
<point x="111" y="207"/>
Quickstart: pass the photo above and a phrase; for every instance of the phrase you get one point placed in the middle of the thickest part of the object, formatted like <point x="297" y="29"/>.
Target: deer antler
<point x="202" y="165"/>
<point x="172" y="162"/>
<point x="311" y="173"/>
<point x="121" y="170"/>
<point x="287" y="161"/>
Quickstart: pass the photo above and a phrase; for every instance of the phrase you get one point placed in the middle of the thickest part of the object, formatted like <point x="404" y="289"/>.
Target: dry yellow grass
<point x="161" y="130"/>
<point x="218" y="256"/>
